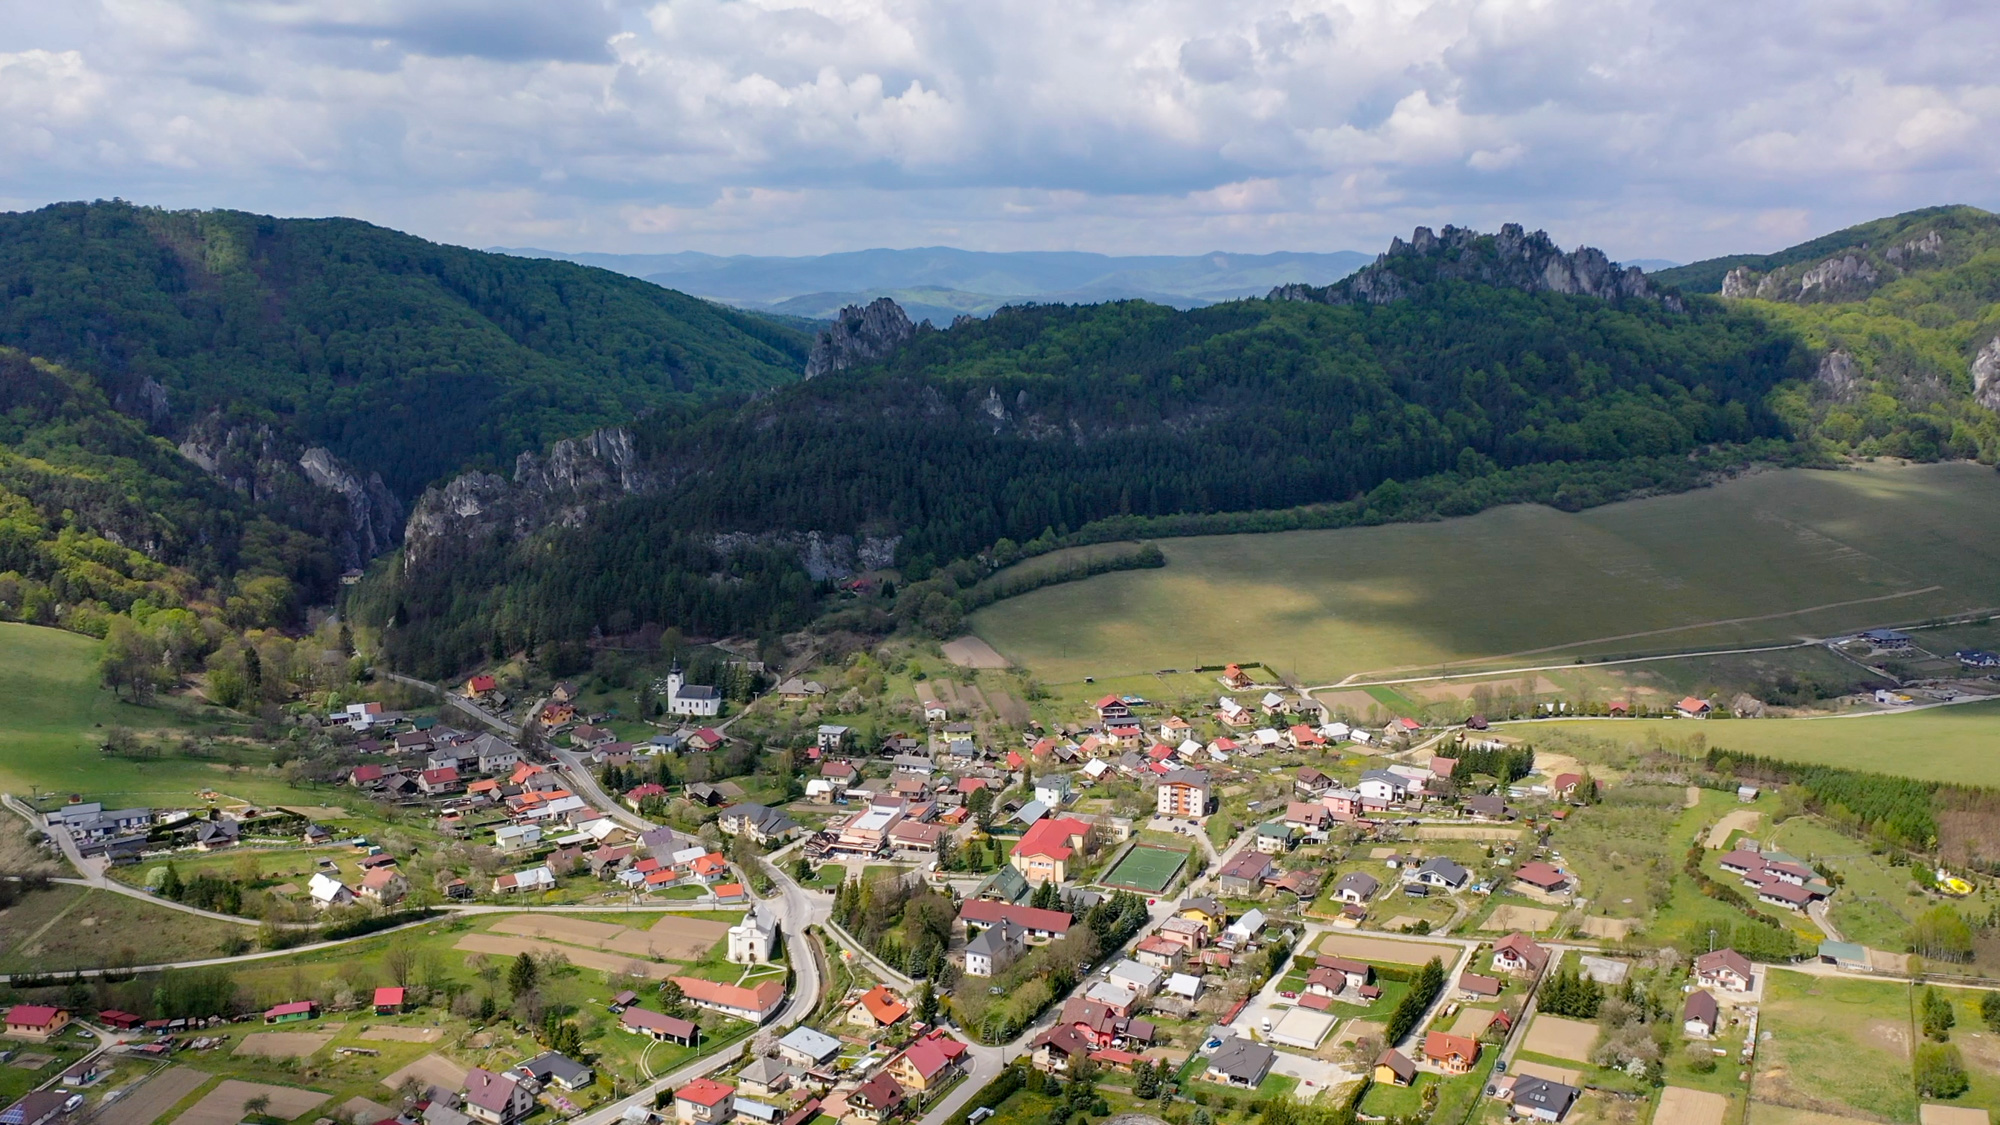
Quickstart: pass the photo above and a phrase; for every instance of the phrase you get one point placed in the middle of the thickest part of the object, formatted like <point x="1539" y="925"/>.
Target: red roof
<point x="709" y="735"/>
<point x="388" y="997"/>
<point x="1408" y="724"/>
<point x="654" y="1021"/>
<point x="1442" y="1045"/>
<point x="482" y="683"/>
<point x="971" y="785"/>
<point x="1050" y="837"/>
<point x="980" y="912"/>
<point x="1109" y="701"/>
<point x="1014" y="759"/>
<point x="649" y="789"/>
<point x="1539" y="874"/>
<point x="933" y="1053"/>
<point x="32" y="1015"/>
<point x="291" y="1008"/>
<point x="1566" y="780"/>
<point x="704" y="1091"/>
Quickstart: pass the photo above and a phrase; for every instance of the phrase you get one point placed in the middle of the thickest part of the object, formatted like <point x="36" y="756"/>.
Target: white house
<point x="1053" y="791"/>
<point x="993" y="949"/>
<point x="327" y="891"/>
<point x="1246" y="928"/>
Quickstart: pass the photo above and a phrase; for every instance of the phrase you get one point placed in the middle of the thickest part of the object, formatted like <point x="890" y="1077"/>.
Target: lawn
<point x="1663" y="574"/>
<point x="1836" y="1044"/>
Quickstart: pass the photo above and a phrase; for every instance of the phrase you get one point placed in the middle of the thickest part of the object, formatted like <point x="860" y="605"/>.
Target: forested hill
<point x="1879" y="250"/>
<point x="401" y="356"/>
<point x="1049" y="423"/>
<point x="99" y="518"/>
<point x="1903" y="315"/>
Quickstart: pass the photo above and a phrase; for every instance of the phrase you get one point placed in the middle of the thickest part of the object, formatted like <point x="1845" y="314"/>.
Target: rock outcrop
<point x="1986" y="375"/>
<point x="358" y="516"/>
<point x="578" y="476"/>
<point x="1843" y="276"/>
<point x="822" y="556"/>
<point x="859" y="335"/>
<point x="1511" y="259"/>
<point x="1838" y="376"/>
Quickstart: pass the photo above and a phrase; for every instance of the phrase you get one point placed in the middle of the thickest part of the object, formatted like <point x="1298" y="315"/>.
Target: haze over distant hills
<point x="938" y="283"/>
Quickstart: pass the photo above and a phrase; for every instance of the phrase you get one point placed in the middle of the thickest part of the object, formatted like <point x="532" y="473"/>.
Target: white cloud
<point x="1654" y="128"/>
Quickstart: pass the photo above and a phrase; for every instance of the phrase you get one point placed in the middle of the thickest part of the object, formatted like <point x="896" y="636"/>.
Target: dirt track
<point x="1745" y="819"/>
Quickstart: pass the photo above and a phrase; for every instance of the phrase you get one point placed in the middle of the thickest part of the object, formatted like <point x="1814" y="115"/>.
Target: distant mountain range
<point x="939" y="283"/>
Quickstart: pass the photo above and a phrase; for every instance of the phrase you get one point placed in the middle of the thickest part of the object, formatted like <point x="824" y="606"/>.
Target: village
<point x="1253" y="900"/>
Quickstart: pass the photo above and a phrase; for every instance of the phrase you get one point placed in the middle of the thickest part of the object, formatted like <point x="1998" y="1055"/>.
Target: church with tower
<point x="684" y="698"/>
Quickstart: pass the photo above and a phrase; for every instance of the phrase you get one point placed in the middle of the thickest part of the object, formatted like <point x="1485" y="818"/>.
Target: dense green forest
<point x="1034" y="427"/>
<point x="402" y="356"/>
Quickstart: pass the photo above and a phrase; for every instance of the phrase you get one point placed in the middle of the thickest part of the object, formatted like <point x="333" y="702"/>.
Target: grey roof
<point x="1446" y="869"/>
<point x="1186" y="777"/>
<point x="811" y="1043"/>
<point x="995" y="939"/>
<point x="550" y="1064"/>
<point x="1032" y="812"/>
<point x="1540" y="1093"/>
<point x="442" y="1114"/>
<point x="1240" y="1058"/>
<point x="1360" y="882"/>
<point x="697" y="691"/>
<point x="1394" y="779"/>
<point x="764" y="1070"/>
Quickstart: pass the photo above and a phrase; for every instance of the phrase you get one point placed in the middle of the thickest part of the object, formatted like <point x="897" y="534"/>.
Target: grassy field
<point x="1957" y="743"/>
<point x="1786" y="549"/>
<point x="68" y="927"/>
<point x="1839" y="1046"/>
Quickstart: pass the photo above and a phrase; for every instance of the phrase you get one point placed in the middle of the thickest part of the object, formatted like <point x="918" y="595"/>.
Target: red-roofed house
<point x="877" y="1098"/>
<point x="929" y="1062"/>
<point x="36" y="1022"/>
<point x="1543" y="877"/>
<point x="1692" y="708"/>
<point x="751" y="1004"/>
<point x="1040" y="925"/>
<point x="704" y="1101"/>
<point x="1044" y="850"/>
<point x="666" y="1029"/>
<point x="290" y="1012"/>
<point x="388" y="1001"/>
<point x="439" y="781"/>
<point x="481" y="685"/>
<point x="1303" y="737"/>
<point x="1518" y="954"/>
<point x="1453" y="1054"/>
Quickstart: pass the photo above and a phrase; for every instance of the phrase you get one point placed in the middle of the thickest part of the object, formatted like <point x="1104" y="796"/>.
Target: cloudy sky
<point x="1676" y="129"/>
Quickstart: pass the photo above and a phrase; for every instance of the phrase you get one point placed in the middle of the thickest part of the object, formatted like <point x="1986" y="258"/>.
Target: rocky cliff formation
<point x="1512" y="259"/>
<point x="577" y="476"/>
<point x="314" y="490"/>
<point x="858" y="336"/>
<point x="1843" y="276"/>
<point x="1986" y="375"/>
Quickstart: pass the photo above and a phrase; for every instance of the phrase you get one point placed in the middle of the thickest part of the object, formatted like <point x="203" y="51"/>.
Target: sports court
<point x="1147" y="868"/>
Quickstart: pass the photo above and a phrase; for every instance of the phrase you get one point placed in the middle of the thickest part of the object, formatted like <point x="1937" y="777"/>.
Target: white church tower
<point x="752" y="940"/>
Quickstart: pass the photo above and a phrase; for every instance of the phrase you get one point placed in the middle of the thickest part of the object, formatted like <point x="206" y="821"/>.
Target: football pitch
<point x="1146" y="868"/>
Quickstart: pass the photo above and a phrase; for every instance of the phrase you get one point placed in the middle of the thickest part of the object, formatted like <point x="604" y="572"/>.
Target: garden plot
<point x="1553" y="1073"/>
<point x="1506" y="919"/>
<point x="1466" y="832"/>
<point x="431" y="1070"/>
<point x="687" y="939"/>
<point x="1954" y="1115"/>
<point x="224" y="1104"/>
<point x="148" y="1101"/>
<point x="612" y="939"/>
<point x="1561" y="1038"/>
<point x="283" y="1045"/>
<point x="1682" y="1106"/>
<point x="505" y="946"/>
<point x="1384" y="949"/>
<point x="973" y="652"/>
<point x="1616" y="929"/>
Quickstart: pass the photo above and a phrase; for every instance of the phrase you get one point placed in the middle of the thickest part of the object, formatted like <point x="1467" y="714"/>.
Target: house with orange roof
<point x="878" y="1007"/>
<point x="929" y="1062"/>
<point x="1453" y="1054"/>
<point x="704" y="1101"/>
<point x="752" y="1004"/>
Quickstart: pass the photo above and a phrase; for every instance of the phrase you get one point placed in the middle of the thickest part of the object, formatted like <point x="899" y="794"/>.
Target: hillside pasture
<point x="1956" y="743"/>
<point x="1762" y="559"/>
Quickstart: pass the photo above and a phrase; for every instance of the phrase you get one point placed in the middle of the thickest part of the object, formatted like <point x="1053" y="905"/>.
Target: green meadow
<point x="1768" y="558"/>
